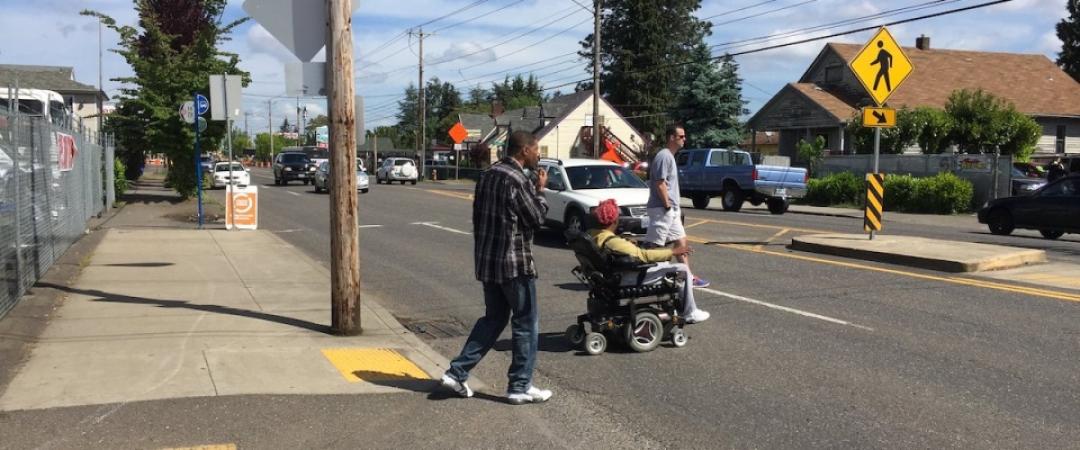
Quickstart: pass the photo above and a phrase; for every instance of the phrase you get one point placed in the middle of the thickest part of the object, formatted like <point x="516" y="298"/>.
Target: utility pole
<point x="422" y="105"/>
<point x="597" y="4"/>
<point x="270" y="127"/>
<point x="344" y="226"/>
<point x="247" y="130"/>
<point x="101" y="89"/>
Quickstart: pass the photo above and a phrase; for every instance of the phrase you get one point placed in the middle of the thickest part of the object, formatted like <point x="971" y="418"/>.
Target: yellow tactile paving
<point x="206" y="447"/>
<point x="370" y="364"/>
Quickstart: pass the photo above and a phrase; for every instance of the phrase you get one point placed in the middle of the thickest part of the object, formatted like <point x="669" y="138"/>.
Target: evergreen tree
<point x="1068" y="30"/>
<point x="409" y="117"/>
<point x="640" y="41"/>
<point x="172" y="52"/>
<point x="285" y="126"/>
<point x="709" y="100"/>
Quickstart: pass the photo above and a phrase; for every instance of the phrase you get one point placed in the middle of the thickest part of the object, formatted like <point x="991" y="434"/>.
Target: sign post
<point x="881" y="66"/>
<point x="191" y="112"/>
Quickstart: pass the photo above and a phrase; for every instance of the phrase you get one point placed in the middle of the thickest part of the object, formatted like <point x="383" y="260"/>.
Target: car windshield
<point x="206" y="159"/>
<point x="359" y="166"/>
<point x="294" y="158"/>
<point x="401" y="162"/>
<point x="602" y="177"/>
<point x="318" y="153"/>
<point x="225" y="167"/>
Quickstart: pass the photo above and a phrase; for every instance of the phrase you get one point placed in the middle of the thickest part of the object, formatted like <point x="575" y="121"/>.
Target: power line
<point x="733" y="11"/>
<point x="463" y="8"/>
<point x="837" y="24"/>
<point x="764" y="13"/>
<point x="803" y="41"/>
<point x="519" y="36"/>
<point x="478" y="17"/>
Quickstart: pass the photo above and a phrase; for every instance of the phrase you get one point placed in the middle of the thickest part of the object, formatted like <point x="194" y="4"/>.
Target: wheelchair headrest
<point x="586" y="251"/>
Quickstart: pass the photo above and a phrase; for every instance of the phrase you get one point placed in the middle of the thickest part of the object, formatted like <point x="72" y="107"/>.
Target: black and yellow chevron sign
<point x="875" y="196"/>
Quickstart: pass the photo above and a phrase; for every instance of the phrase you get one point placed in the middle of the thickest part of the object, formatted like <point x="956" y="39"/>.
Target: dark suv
<point x="290" y="166"/>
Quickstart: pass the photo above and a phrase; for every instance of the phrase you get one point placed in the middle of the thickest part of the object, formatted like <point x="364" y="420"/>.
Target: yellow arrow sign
<point x="879" y="117"/>
<point x="881" y="66"/>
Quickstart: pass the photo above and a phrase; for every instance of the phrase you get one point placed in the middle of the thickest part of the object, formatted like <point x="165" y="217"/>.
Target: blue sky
<point x="51" y="32"/>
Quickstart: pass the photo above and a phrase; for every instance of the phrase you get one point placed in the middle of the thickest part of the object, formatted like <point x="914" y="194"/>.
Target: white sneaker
<point x="532" y="395"/>
<point x="698" y="316"/>
<point x="460" y="388"/>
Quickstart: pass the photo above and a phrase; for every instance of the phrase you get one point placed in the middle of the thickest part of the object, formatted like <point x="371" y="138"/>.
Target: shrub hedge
<point x="944" y="193"/>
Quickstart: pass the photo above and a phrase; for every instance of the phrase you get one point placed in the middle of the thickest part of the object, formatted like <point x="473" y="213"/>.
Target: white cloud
<point x="467" y="52"/>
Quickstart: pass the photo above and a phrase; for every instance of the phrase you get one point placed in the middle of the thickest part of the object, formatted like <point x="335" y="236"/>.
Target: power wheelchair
<point x="642" y="315"/>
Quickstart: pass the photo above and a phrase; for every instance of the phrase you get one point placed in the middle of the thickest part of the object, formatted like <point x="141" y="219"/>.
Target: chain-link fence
<point x="53" y="179"/>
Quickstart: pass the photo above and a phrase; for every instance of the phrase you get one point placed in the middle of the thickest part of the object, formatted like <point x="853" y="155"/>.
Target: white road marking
<point x="370" y="226"/>
<point x="293" y="193"/>
<point x="785" y="309"/>
<point x="440" y="227"/>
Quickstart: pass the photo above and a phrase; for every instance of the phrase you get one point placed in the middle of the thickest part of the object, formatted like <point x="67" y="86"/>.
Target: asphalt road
<point x="802" y="351"/>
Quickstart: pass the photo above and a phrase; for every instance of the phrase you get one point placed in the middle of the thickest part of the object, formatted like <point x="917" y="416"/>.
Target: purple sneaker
<point x="701" y="282"/>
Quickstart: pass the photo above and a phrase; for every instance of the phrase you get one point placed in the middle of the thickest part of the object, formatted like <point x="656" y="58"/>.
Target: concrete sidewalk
<point x="168" y="313"/>
<point x="933" y="254"/>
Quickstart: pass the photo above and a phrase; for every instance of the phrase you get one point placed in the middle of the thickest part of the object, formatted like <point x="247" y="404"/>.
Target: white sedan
<point x="240" y="175"/>
<point x="576" y="186"/>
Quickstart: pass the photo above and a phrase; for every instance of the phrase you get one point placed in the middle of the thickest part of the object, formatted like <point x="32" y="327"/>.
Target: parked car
<point x="576" y="186"/>
<point x="322" y="177"/>
<point x="1053" y="210"/>
<point x="397" y="169"/>
<point x="1023" y="183"/>
<point x="207" y="162"/>
<point x="290" y="166"/>
<point x="240" y="175"/>
<point x="732" y="175"/>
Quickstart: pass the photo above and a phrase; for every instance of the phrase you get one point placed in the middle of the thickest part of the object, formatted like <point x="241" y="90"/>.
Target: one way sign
<point x="879" y="117"/>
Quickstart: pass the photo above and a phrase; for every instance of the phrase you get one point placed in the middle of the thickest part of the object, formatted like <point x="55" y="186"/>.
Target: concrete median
<point x="923" y="253"/>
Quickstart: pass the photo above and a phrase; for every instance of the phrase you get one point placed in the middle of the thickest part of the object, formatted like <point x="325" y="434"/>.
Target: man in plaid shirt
<point x="507" y="210"/>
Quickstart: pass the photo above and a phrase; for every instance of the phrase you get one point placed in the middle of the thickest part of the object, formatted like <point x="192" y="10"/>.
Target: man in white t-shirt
<point x="665" y="217"/>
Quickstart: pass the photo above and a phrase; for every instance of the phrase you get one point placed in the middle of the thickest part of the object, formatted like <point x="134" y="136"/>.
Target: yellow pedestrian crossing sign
<point x="881" y="66"/>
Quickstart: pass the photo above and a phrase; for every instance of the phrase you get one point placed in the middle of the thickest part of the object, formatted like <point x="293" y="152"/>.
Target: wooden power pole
<point x="344" y="227"/>
<point x="596" y="78"/>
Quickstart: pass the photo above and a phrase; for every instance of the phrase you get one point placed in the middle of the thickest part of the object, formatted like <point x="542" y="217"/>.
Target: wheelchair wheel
<point x="678" y="337"/>
<point x="595" y="343"/>
<point x="645" y="333"/>
<point x="575" y="334"/>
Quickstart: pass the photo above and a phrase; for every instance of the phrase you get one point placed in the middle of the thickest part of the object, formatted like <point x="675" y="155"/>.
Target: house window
<point x="1060" y="141"/>
<point x="834" y="74"/>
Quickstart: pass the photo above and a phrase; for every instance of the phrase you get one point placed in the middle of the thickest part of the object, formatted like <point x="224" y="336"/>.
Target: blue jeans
<point x="516" y="298"/>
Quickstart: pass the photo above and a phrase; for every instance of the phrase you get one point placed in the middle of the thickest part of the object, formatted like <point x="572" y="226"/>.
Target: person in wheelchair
<point x="606" y="217"/>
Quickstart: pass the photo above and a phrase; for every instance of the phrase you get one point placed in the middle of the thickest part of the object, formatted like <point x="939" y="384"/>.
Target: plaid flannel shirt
<point x="507" y="211"/>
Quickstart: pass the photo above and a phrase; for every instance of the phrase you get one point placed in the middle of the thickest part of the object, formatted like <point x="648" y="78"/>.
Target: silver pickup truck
<point x="732" y="175"/>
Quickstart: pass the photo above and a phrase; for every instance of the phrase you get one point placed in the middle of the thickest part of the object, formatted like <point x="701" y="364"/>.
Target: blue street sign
<point x="202" y="105"/>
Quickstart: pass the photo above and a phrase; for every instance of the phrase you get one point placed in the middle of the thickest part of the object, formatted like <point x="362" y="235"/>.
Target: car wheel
<point x="732" y="200"/>
<point x="413" y="182"/>
<point x="778" y="205"/>
<point x="277" y="181"/>
<point x="575" y="221"/>
<point x="402" y="182"/>
<point x="1051" y="234"/>
<point x="1001" y="222"/>
<point x="701" y="201"/>
<point x="645" y="333"/>
<point x="317" y="189"/>
<point x="364" y="191"/>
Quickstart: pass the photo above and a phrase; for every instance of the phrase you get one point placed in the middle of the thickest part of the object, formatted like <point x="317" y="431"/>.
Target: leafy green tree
<point x="240" y="142"/>
<point x="932" y="128"/>
<point x="983" y="123"/>
<point x="641" y="39"/>
<point x="262" y="145"/>
<point x="172" y="51"/>
<point x="893" y="140"/>
<point x="1068" y="30"/>
<point x="309" y="129"/>
<point x="813" y="153"/>
<point x="710" y="101"/>
<point x="126" y="124"/>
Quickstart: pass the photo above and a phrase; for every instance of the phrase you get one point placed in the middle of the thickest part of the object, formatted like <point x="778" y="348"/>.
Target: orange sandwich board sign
<point x="458" y="133"/>
<point x="881" y="66"/>
<point x="241" y="207"/>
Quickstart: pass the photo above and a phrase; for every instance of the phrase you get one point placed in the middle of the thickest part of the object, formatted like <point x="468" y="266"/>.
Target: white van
<point x="37" y="103"/>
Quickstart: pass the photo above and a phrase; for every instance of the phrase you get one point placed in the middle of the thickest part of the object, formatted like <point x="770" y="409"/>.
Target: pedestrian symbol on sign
<point x="884" y="63"/>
